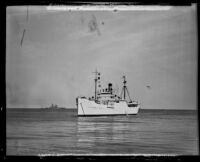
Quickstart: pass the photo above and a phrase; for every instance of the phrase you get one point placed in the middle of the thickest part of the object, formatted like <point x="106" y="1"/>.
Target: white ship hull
<point x="90" y="108"/>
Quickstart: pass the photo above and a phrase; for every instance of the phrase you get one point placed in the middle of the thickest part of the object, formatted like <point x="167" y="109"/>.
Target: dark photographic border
<point x="108" y="157"/>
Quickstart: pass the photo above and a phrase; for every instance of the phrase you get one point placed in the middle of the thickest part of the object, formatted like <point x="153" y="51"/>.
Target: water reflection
<point x="103" y="133"/>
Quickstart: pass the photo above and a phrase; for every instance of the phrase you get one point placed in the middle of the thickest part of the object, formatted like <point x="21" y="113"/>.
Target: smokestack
<point x="110" y="87"/>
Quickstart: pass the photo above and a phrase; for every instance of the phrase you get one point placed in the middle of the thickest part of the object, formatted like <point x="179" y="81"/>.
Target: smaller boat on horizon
<point x="52" y="107"/>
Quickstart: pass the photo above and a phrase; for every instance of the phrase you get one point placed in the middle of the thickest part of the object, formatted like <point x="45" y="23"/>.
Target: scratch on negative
<point x="23" y="36"/>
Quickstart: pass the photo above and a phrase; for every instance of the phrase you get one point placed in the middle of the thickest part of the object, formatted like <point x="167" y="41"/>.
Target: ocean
<point x="43" y="131"/>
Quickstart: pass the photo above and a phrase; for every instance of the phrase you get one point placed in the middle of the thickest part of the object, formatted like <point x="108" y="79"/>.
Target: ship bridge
<point x="105" y="93"/>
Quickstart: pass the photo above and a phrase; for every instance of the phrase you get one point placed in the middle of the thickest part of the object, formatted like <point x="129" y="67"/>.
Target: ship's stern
<point x="133" y="107"/>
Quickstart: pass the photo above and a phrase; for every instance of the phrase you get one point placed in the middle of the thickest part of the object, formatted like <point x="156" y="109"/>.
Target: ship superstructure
<point x="106" y="102"/>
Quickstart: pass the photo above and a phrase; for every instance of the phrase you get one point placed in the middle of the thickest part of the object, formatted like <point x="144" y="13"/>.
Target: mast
<point x="97" y="77"/>
<point x="124" y="77"/>
<point x="125" y="89"/>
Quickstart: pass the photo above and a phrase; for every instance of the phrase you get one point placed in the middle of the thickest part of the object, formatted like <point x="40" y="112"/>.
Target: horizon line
<point x="76" y="108"/>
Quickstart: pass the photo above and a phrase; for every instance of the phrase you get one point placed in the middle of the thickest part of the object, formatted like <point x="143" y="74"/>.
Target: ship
<point x="53" y="107"/>
<point x="106" y="101"/>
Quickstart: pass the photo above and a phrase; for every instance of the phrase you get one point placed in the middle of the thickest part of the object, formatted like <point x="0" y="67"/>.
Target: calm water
<point x="33" y="132"/>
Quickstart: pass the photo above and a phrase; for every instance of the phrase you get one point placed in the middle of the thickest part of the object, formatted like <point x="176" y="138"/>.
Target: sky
<point x="51" y="54"/>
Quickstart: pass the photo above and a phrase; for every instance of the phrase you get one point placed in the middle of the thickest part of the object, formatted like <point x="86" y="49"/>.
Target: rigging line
<point x="121" y="93"/>
<point x="23" y="36"/>
<point x="128" y="93"/>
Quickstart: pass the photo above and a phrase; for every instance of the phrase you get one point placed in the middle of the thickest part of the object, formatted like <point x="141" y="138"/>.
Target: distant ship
<point x="54" y="107"/>
<point x="106" y="102"/>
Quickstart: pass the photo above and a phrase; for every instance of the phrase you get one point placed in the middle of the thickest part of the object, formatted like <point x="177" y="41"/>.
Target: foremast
<point x="97" y="78"/>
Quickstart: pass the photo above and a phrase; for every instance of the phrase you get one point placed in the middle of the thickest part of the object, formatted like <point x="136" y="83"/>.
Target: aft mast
<point x="124" y="90"/>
